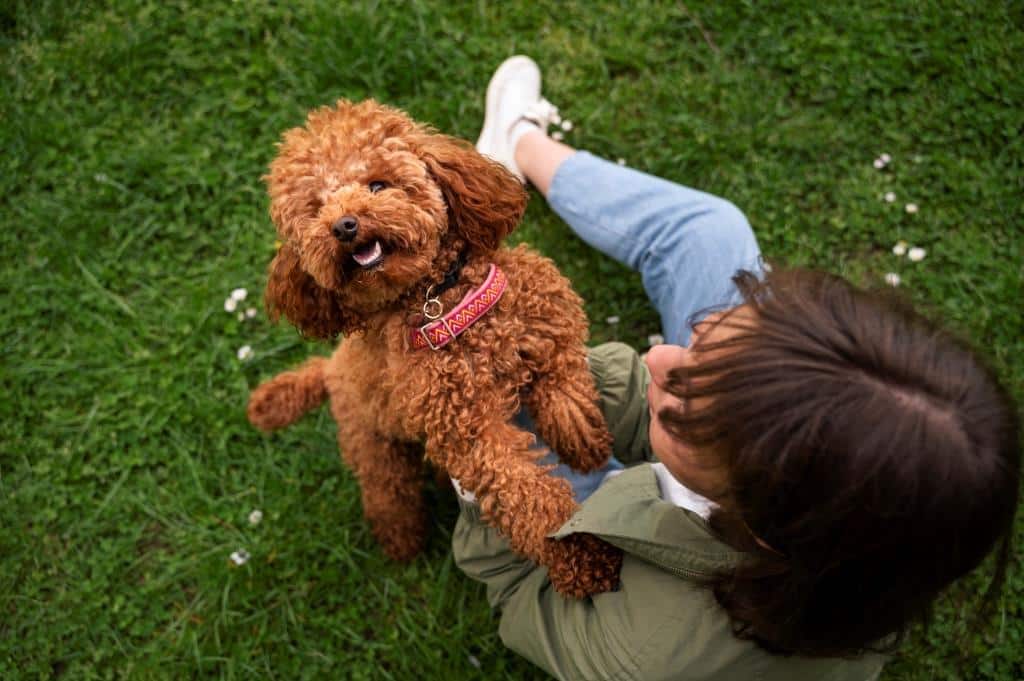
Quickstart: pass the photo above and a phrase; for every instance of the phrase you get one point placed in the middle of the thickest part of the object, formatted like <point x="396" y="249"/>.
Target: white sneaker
<point x="514" y="107"/>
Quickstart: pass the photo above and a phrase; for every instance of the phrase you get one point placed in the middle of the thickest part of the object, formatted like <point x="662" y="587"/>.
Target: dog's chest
<point x="378" y="378"/>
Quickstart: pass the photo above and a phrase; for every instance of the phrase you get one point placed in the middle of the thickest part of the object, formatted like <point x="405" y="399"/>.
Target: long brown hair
<point x="874" y="456"/>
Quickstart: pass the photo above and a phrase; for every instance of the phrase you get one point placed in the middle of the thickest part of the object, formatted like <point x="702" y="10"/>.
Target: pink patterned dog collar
<point x="440" y="332"/>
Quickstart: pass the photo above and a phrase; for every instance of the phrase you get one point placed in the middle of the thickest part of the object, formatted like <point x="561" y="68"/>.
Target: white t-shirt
<point x="672" y="491"/>
<point x="677" y="493"/>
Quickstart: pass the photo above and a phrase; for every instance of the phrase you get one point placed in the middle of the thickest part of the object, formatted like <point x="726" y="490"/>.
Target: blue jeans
<point x="685" y="243"/>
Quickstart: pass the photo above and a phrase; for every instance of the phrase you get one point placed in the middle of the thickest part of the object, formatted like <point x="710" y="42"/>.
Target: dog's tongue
<point x="368" y="254"/>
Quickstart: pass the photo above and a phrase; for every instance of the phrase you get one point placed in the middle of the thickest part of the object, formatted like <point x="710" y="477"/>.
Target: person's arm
<point x="622" y="379"/>
<point x="572" y="639"/>
<point x="610" y="636"/>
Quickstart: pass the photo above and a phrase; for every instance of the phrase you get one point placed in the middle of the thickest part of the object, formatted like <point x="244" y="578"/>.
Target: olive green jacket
<point x="661" y="623"/>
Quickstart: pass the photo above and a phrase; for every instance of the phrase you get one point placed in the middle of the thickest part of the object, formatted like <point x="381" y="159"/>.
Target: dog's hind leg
<point x="284" y="398"/>
<point x="390" y="478"/>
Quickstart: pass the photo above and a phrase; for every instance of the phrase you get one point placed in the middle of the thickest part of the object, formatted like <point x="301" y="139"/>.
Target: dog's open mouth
<point x="369" y="254"/>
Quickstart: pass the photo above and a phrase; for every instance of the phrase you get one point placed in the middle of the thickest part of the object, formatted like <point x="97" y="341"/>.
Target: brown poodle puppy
<point x="388" y="226"/>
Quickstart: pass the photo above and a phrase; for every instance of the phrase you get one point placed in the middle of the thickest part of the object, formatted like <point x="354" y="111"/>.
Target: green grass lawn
<point x="135" y="135"/>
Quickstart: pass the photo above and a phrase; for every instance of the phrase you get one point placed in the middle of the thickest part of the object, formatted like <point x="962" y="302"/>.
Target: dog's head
<point x="370" y="204"/>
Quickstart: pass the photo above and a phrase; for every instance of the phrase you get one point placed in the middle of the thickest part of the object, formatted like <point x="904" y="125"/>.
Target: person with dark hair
<point x="797" y="474"/>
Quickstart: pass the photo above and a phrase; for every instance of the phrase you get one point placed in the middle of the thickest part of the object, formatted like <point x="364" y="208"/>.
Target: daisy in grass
<point x="232" y="301"/>
<point x="240" y="557"/>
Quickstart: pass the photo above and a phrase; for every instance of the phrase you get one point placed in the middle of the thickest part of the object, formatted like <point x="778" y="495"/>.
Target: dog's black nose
<point x="345" y="228"/>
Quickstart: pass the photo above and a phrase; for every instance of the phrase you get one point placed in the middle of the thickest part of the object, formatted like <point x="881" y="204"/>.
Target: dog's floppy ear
<point x="485" y="201"/>
<point x="295" y="294"/>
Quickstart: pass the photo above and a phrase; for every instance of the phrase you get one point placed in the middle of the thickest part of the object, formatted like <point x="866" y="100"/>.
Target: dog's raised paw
<point x="283" y="399"/>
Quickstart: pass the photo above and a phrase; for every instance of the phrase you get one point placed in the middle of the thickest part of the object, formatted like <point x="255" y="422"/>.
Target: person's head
<point x="865" y="458"/>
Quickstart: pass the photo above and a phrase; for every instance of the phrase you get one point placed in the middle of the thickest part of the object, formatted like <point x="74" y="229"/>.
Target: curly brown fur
<point x="282" y="400"/>
<point x="426" y="199"/>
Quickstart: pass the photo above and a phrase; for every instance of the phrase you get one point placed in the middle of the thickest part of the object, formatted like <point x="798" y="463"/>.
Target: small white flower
<point x="911" y="208"/>
<point x="885" y="158"/>
<point x="256" y="517"/>
<point x="230" y="305"/>
<point x="892" y="279"/>
<point x="240" y="557"/>
<point x="241" y="316"/>
<point x="621" y="161"/>
<point x="250" y="312"/>
<point x="244" y="353"/>
<point x="916" y="254"/>
<point x="890" y="197"/>
<point x="555" y="118"/>
<point x="567" y="125"/>
<point x="614" y="319"/>
<point x="900" y="248"/>
<point x="557" y="136"/>
<point x="239" y="294"/>
<point x="473" y="661"/>
<point x="879" y="164"/>
<point x="655" y="339"/>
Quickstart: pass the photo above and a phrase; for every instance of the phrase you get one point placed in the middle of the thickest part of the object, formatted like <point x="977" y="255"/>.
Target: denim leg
<point x="685" y="243"/>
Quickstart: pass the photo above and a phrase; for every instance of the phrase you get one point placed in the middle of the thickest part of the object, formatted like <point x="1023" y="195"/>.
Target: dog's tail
<point x="280" y="401"/>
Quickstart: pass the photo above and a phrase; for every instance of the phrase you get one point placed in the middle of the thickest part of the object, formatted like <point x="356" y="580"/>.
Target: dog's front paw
<point x="571" y="423"/>
<point x="266" y="410"/>
<point x="283" y="399"/>
<point x="582" y="565"/>
<point x="588" y="449"/>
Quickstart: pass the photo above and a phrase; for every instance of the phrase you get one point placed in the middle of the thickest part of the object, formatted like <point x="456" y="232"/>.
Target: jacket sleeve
<point x="622" y="379"/>
<point x="609" y="636"/>
<point x="588" y="639"/>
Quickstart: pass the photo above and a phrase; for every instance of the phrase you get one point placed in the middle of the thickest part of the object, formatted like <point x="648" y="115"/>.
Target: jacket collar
<point x="627" y="511"/>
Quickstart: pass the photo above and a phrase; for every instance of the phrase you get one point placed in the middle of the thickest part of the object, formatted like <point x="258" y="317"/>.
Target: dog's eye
<point x="377" y="185"/>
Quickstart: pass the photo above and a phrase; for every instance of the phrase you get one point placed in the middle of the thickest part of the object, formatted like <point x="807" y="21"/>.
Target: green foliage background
<point x="135" y="135"/>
